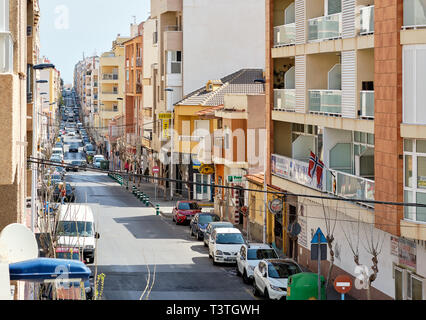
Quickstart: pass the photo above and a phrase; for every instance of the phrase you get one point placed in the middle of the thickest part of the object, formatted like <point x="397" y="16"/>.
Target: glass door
<point x="202" y="192"/>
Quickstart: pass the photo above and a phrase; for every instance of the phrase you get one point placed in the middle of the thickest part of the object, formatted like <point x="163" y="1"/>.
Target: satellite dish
<point x="17" y="243"/>
<point x="294" y="229"/>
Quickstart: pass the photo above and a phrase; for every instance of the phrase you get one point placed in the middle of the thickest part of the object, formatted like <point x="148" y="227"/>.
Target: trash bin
<point x="104" y="164"/>
<point x="304" y="286"/>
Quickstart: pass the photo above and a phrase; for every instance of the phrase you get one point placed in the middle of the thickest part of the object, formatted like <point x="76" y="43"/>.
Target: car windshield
<point x="89" y="148"/>
<point x="222" y="225"/>
<point x="259" y="254"/>
<point x="282" y="270"/>
<point x="75" y="228"/>
<point x="56" y="177"/>
<point x="188" y="206"/>
<point x="204" y="219"/>
<point x="229" y="238"/>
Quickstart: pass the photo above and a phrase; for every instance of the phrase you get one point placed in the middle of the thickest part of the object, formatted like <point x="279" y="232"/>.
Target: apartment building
<point x="185" y="45"/>
<point x="341" y="82"/>
<point x="133" y="102"/>
<point x="111" y="86"/>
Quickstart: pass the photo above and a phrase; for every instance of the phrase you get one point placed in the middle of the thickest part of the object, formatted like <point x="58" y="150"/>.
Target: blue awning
<point x="46" y="268"/>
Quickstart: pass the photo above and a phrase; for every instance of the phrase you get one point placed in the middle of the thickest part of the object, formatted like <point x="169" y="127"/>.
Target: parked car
<point x="199" y="224"/>
<point x="185" y="211"/>
<point x="249" y="257"/>
<point x="224" y="245"/>
<point x="89" y="149"/>
<point x="69" y="197"/>
<point x="213" y="225"/>
<point x="56" y="158"/>
<point x="58" y="152"/>
<point x="77" y="164"/>
<point x="270" y="277"/>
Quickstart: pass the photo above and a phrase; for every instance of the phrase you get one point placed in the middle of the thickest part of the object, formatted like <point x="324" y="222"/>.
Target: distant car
<point x="270" y="277"/>
<point x="224" y="245"/>
<point x="76" y="165"/>
<point x="213" y="225"/>
<point x="199" y="224"/>
<point x="97" y="159"/>
<point x="69" y="197"/>
<point x="185" y="211"/>
<point x="74" y="147"/>
<point x="249" y="257"/>
<point x="89" y="149"/>
<point x="56" y="158"/>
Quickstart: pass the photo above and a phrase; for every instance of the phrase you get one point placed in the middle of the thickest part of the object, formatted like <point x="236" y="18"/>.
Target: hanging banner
<point x="166" y="131"/>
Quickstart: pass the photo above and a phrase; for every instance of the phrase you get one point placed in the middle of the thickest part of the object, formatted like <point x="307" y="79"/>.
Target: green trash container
<point x="104" y="165"/>
<point x="304" y="286"/>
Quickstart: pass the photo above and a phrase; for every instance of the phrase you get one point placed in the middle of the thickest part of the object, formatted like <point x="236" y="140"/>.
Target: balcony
<point x="285" y="99"/>
<point x="367" y="20"/>
<point x="367" y="104"/>
<point x="138" y="61"/>
<point x="285" y="35"/>
<point x="325" y="28"/>
<point x="109" y="76"/>
<point x="334" y="182"/>
<point x="414" y="14"/>
<point x="173" y="39"/>
<point x="6" y="52"/>
<point x="325" y="101"/>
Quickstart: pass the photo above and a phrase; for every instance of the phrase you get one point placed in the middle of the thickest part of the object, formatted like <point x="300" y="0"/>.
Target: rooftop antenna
<point x="134" y="19"/>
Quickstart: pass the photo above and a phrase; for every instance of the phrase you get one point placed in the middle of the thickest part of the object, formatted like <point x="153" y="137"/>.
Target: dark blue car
<point x="200" y="222"/>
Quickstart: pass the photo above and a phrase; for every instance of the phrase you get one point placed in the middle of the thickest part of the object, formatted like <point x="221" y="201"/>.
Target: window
<point x="408" y="285"/>
<point x="415" y="178"/>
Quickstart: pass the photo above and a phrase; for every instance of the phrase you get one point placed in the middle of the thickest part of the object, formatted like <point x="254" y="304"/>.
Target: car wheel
<point x="210" y="256"/>
<point x="256" y="292"/>
<point x="266" y="294"/>
<point x="246" y="279"/>
<point x="214" y="262"/>
<point x="199" y="237"/>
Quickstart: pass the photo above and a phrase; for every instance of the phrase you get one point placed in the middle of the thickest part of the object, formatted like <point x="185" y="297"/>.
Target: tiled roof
<point x="209" y="111"/>
<point x="241" y="81"/>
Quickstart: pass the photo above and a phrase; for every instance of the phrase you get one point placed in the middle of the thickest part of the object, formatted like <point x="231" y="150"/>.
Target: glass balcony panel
<point x="285" y="99"/>
<point x="285" y="34"/>
<point x="327" y="27"/>
<point x="414" y="13"/>
<point x="6" y="52"/>
<point x="325" y="101"/>
<point x="367" y="104"/>
<point x="354" y="187"/>
<point x="367" y="20"/>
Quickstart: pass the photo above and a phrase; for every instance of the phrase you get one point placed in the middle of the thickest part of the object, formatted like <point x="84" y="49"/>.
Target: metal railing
<point x="367" y="104"/>
<point x="110" y="76"/>
<point x="175" y="67"/>
<point x="325" y="101"/>
<point x="414" y="14"/>
<point x="367" y="20"/>
<point x="334" y="182"/>
<point x="6" y="52"/>
<point x="285" y="34"/>
<point x="172" y="28"/>
<point x="285" y="99"/>
<point x="326" y="27"/>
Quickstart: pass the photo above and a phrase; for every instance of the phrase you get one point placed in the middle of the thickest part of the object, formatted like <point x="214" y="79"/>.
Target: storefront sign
<point x="166" y="133"/>
<point x="235" y="178"/>
<point x="275" y="206"/>
<point x="394" y="245"/>
<point x="164" y="116"/>
<point x="294" y="170"/>
<point x="206" y="169"/>
<point x="407" y="253"/>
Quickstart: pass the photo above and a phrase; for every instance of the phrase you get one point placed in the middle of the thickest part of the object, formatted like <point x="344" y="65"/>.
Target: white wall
<point x="150" y="56"/>
<point x="343" y="254"/>
<point x="331" y="137"/>
<point x="221" y="37"/>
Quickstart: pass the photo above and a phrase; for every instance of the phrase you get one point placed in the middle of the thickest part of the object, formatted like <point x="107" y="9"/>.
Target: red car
<point x="185" y="211"/>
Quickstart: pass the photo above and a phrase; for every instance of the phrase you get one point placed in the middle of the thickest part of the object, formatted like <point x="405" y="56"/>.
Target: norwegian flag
<point x="316" y="166"/>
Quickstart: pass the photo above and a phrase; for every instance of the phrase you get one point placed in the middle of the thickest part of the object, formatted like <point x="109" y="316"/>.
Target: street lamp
<point x="172" y="144"/>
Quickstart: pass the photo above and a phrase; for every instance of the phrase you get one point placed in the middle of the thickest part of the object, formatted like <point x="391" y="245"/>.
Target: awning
<point x="47" y="268"/>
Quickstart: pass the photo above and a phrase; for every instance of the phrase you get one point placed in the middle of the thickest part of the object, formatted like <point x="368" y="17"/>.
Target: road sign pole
<point x="343" y="296"/>
<point x="156" y="187"/>
<point x="319" y="271"/>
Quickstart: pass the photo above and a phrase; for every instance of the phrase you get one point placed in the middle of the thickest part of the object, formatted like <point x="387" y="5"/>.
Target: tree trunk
<point x="330" y="268"/>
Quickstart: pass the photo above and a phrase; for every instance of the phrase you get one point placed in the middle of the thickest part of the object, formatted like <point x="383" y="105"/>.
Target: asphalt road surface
<point x="133" y="239"/>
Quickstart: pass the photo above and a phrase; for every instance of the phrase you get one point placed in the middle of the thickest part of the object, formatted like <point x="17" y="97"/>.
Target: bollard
<point x="157" y="209"/>
<point x="147" y="201"/>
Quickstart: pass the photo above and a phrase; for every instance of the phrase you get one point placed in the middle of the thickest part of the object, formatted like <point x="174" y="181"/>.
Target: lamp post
<point x="172" y="145"/>
<point x="34" y="175"/>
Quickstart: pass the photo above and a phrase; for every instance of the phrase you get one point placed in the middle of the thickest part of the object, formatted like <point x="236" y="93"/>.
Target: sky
<point x="70" y="27"/>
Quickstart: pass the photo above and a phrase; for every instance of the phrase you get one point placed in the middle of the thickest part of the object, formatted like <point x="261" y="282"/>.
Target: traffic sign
<point x="318" y="237"/>
<point x="343" y="284"/>
<point x="156" y="169"/>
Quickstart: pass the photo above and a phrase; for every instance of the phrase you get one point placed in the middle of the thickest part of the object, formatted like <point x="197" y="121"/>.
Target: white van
<point x="224" y="245"/>
<point x="76" y="229"/>
<point x="58" y="152"/>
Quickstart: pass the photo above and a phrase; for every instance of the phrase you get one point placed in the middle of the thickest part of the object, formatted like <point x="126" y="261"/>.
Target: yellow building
<point x="112" y="85"/>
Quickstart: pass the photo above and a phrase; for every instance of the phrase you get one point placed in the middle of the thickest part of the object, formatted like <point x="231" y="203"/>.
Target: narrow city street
<point x="133" y="239"/>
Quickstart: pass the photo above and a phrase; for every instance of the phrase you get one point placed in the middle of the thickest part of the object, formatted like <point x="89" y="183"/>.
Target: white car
<point x="224" y="245"/>
<point x="249" y="257"/>
<point x="270" y="277"/>
<point x="97" y="160"/>
<point x="213" y="225"/>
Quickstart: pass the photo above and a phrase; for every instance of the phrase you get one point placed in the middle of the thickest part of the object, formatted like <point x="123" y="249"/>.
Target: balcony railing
<point x="367" y="20"/>
<point x="327" y="27"/>
<point x="414" y="13"/>
<point x="6" y="52"/>
<point x="325" y="101"/>
<point x="285" y="34"/>
<point x="334" y="182"/>
<point x="172" y="28"/>
<point x="175" y="67"/>
<point x="285" y="99"/>
<point x="138" y="62"/>
<point x="367" y="104"/>
<point x="110" y="76"/>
